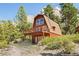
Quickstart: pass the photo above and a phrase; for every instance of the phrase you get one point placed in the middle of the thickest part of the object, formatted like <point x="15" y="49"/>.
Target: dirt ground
<point x="28" y="49"/>
<point x="21" y="49"/>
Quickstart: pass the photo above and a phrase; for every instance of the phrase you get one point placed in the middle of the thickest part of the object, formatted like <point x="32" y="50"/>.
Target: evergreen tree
<point x="8" y="31"/>
<point x="21" y="19"/>
<point x="22" y="24"/>
<point x="69" y="18"/>
<point x="48" y="11"/>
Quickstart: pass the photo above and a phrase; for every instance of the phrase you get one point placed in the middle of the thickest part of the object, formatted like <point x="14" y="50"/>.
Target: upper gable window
<point x="53" y="28"/>
<point x="40" y="21"/>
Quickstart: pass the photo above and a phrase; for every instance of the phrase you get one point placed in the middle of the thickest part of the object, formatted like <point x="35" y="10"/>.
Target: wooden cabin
<point x="43" y="27"/>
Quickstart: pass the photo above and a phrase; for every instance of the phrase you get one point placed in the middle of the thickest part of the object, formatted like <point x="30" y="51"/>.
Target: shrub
<point x="69" y="47"/>
<point x="73" y="38"/>
<point x="3" y="43"/>
<point x="48" y="40"/>
<point x="55" y="45"/>
<point x="67" y="42"/>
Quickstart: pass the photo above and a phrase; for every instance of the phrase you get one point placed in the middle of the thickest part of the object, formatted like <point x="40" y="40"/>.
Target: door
<point x="36" y="39"/>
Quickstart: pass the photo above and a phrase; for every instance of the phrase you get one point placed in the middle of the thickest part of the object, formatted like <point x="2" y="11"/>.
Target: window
<point x="38" y="30"/>
<point x="53" y="28"/>
<point x="40" y="21"/>
<point x="45" y="28"/>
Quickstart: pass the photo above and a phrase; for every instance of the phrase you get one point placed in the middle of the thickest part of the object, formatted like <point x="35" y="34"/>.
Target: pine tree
<point x="69" y="18"/>
<point x="48" y="11"/>
<point x="22" y="24"/>
<point x="8" y="31"/>
<point x="21" y="19"/>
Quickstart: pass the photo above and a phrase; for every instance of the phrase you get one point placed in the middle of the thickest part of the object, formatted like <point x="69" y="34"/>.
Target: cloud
<point x="58" y="8"/>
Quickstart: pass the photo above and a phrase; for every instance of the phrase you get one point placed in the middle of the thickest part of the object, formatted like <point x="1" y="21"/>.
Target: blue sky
<point x="8" y="11"/>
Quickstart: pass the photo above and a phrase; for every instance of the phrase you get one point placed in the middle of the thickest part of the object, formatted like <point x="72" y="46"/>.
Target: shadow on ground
<point x="59" y="54"/>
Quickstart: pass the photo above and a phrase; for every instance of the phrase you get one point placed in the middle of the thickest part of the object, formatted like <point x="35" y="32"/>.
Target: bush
<point x="73" y="38"/>
<point x="3" y="43"/>
<point x="69" y="47"/>
<point x="48" y="40"/>
<point x="67" y="42"/>
<point x="55" y="45"/>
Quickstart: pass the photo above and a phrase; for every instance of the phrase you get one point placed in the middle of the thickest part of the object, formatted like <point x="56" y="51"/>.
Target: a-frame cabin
<point x="43" y="27"/>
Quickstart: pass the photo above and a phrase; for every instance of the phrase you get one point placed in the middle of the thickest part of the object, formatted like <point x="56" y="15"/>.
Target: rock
<point x="17" y="40"/>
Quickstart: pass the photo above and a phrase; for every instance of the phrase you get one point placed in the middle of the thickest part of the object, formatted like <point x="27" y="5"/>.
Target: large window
<point x="40" y="21"/>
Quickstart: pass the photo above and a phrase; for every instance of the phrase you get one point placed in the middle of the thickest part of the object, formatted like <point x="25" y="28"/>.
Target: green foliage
<point x="55" y="45"/>
<point x="3" y="43"/>
<point x="69" y="18"/>
<point x="21" y="19"/>
<point x="74" y="38"/>
<point x="9" y="31"/>
<point x="48" y="11"/>
<point x="67" y="42"/>
<point x="69" y="47"/>
<point x="22" y="23"/>
<point x="21" y="15"/>
<point x="48" y="40"/>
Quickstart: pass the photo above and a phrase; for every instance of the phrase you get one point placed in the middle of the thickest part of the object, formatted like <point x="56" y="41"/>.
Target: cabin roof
<point x="51" y="23"/>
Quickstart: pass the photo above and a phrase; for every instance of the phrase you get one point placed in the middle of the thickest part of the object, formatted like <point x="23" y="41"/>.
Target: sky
<point x="8" y="11"/>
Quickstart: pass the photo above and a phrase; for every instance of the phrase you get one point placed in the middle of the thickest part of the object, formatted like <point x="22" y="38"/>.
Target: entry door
<point x="36" y="39"/>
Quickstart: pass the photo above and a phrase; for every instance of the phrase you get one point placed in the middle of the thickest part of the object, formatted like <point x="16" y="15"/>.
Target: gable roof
<point x="50" y="24"/>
